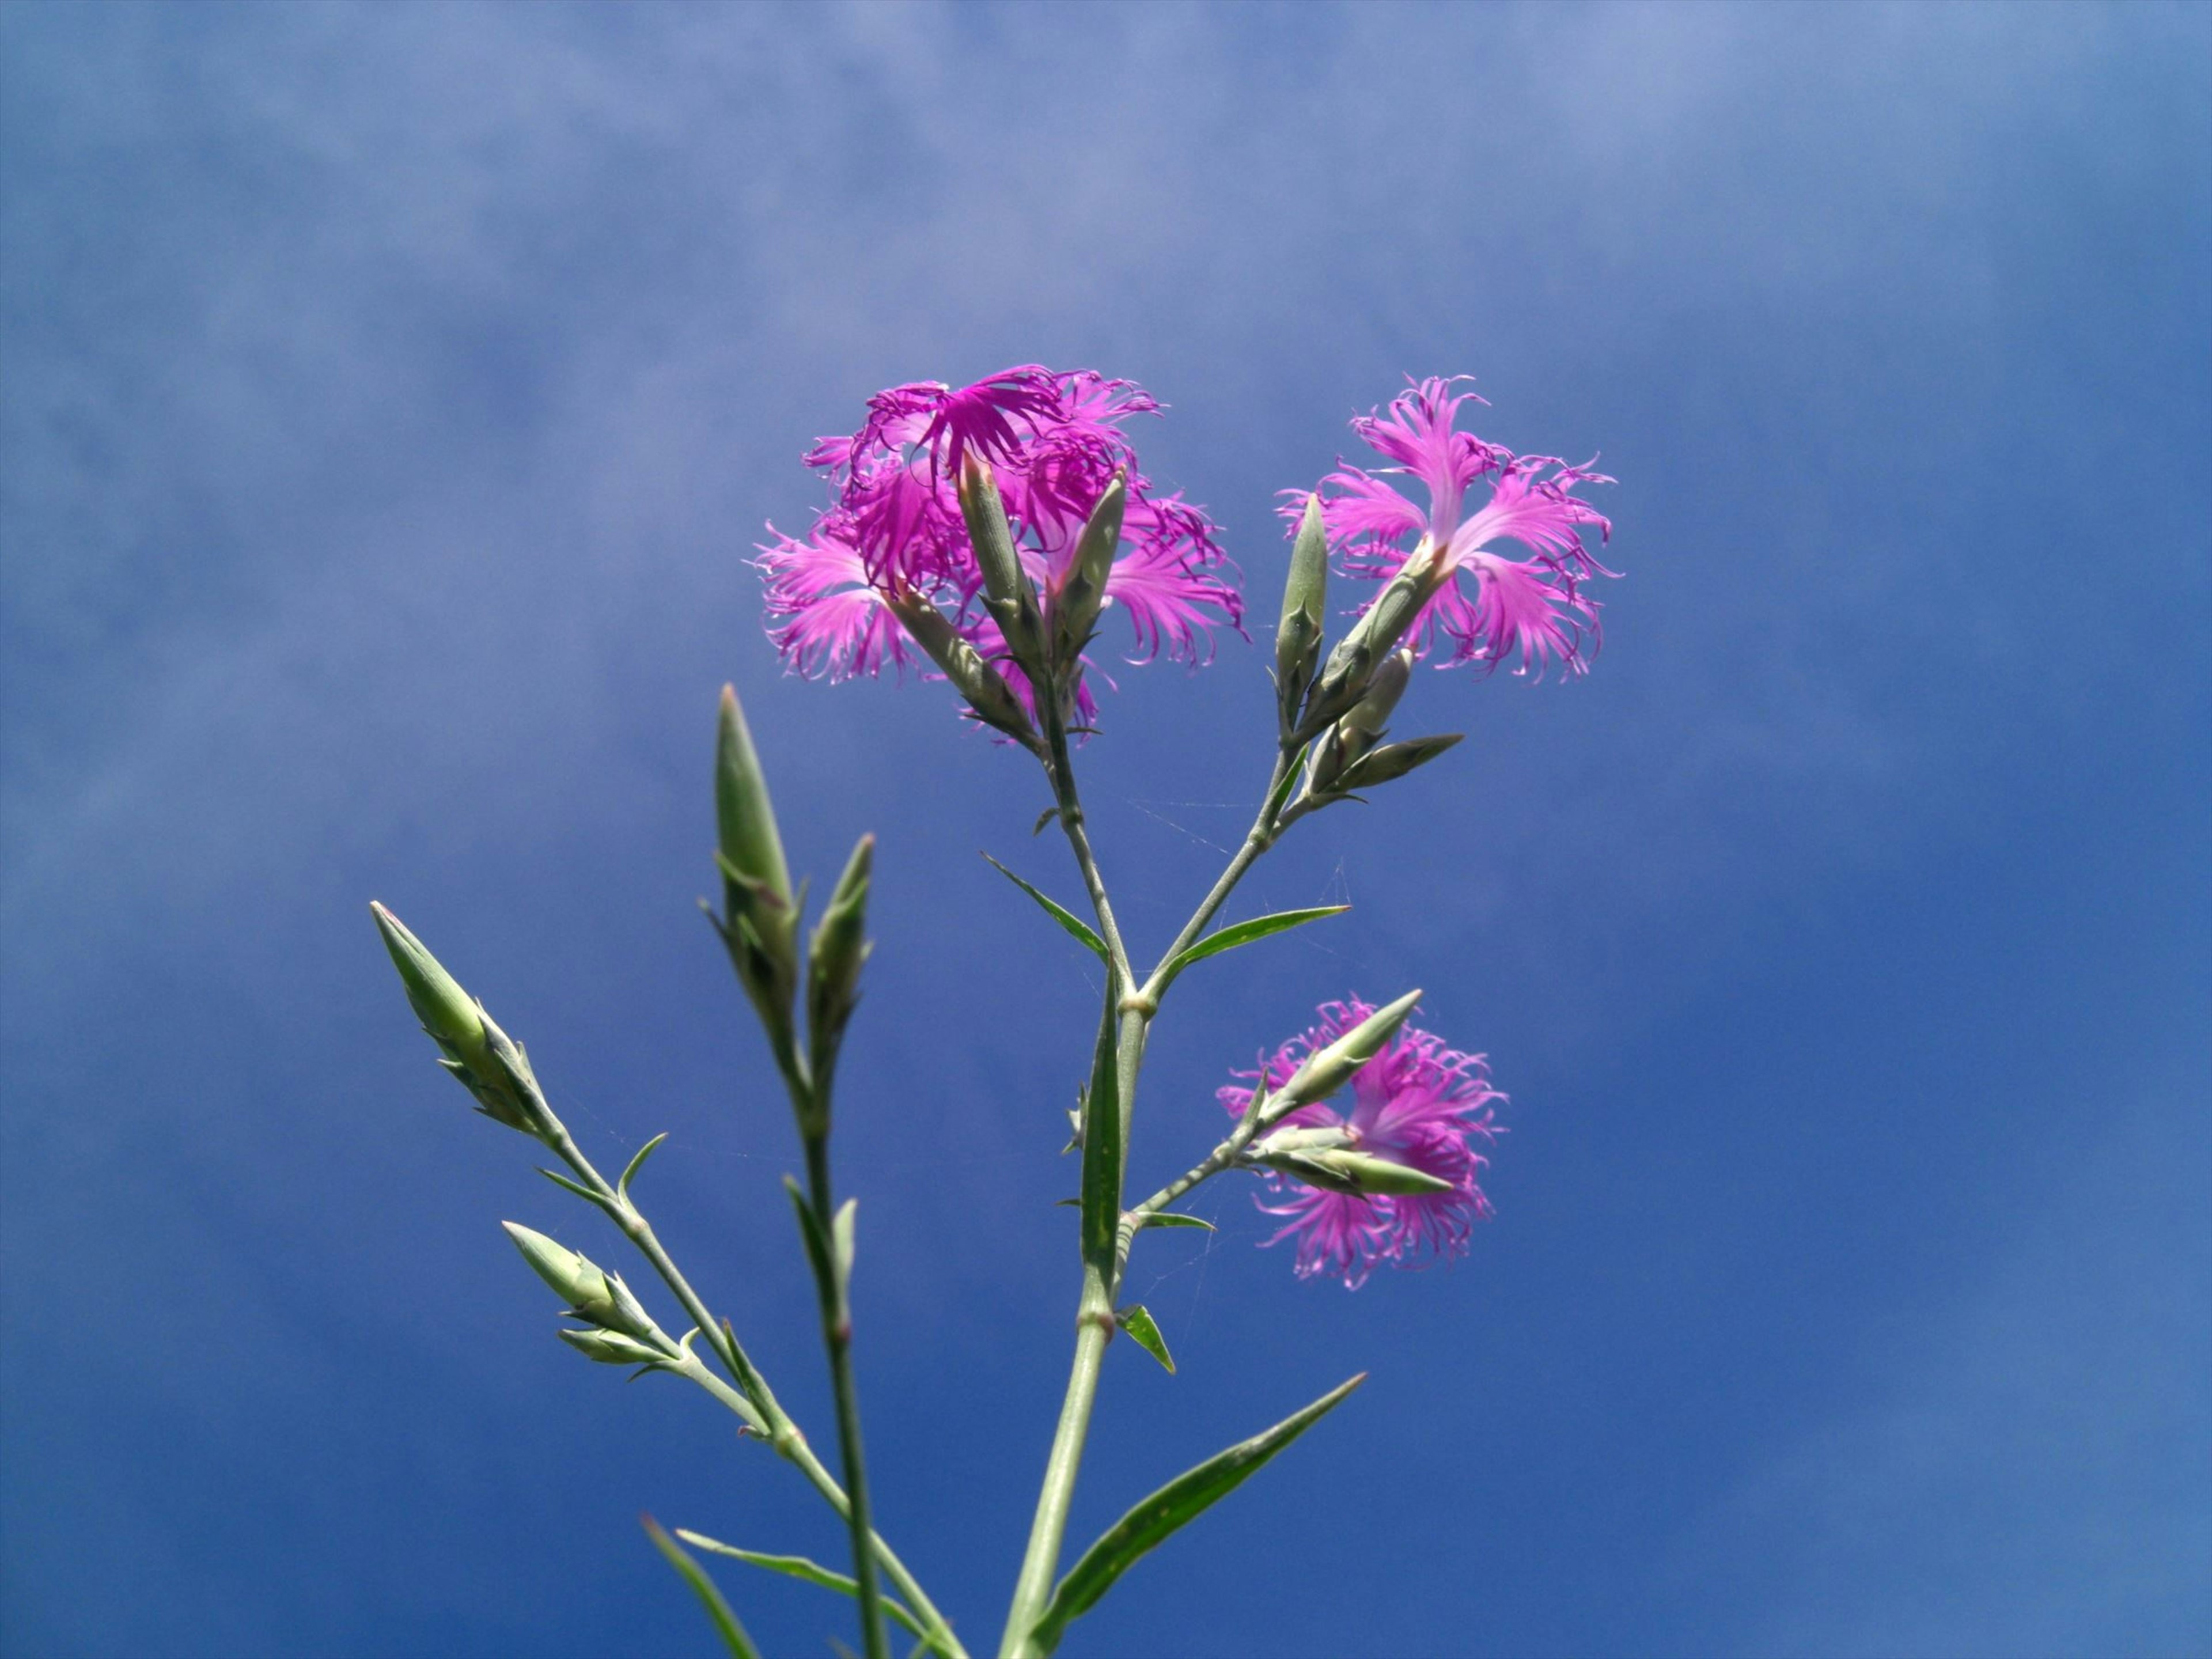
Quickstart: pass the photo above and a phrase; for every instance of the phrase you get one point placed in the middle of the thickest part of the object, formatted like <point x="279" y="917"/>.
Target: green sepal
<point x="1175" y="1218"/>
<point x="799" y="1567"/>
<point x="1065" y="917"/>
<point x="1138" y="1321"/>
<point x="1243" y="933"/>
<point x="637" y="1163"/>
<point x="1174" y="1505"/>
<point x="726" y="1622"/>
<point x="1101" y="1140"/>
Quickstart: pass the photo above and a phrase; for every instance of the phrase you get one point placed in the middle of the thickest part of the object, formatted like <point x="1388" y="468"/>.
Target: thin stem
<point x="1262" y="836"/>
<point x="837" y="1338"/>
<point x="758" y="1400"/>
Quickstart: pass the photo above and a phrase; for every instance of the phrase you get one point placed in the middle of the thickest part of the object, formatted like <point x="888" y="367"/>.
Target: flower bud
<point x="1326" y="1070"/>
<point x="1351" y="667"/>
<point x="1006" y="588"/>
<point x="1341" y="1169"/>
<point x="1297" y="638"/>
<point x="742" y="812"/>
<point x="834" y="959"/>
<point x="593" y="1296"/>
<point x="1373" y="712"/>
<point x="1395" y="760"/>
<point x="611" y="1348"/>
<point x="986" y="689"/>
<point x="760" y="921"/>
<point x="487" y="1062"/>
<point x="1082" y="592"/>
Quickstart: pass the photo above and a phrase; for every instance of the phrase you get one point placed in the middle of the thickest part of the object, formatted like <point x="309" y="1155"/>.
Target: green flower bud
<point x="486" y="1061"/>
<point x="742" y="812"/>
<point x="1328" y="1070"/>
<point x="1082" y="595"/>
<point x="1373" y="712"/>
<point x="1297" y="638"/>
<point x="1345" y="678"/>
<point x="1340" y="1170"/>
<point x="1006" y="588"/>
<point x="986" y="691"/>
<point x="834" y="957"/>
<point x="1395" y="760"/>
<point x="593" y="1296"/>
<point x="611" y="1348"/>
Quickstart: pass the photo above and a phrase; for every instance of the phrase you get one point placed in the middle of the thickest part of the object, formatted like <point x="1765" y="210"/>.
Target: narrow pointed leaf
<point x="1065" y="918"/>
<point x="1175" y="1218"/>
<point x="798" y="1566"/>
<point x="1101" y="1140"/>
<point x="1175" y="1504"/>
<point x="726" y="1622"/>
<point x="1243" y="933"/>
<point x="1138" y="1321"/>
<point x="584" y="1193"/>
<point x="637" y="1163"/>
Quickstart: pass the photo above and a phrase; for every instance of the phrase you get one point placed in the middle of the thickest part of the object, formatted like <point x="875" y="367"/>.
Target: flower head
<point x="1417" y="1104"/>
<point x="1491" y="607"/>
<point x="1053" y="441"/>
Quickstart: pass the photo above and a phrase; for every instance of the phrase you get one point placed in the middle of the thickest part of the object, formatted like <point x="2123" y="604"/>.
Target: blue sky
<point x="392" y="396"/>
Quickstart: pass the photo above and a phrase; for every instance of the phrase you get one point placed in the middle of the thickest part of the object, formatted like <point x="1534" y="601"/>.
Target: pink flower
<point x="1053" y="441"/>
<point x="1535" y="607"/>
<point x="1417" y="1104"/>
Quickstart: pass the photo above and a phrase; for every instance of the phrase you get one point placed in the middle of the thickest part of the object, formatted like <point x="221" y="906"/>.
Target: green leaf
<point x="1175" y="1218"/>
<point x="638" y="1163"/>
<point x="1065" y="918"/>
<point x="1043" y="818"/>
<point x="798" y="1566"/>
<point x="733" y="1634"/>
<point x="1138" y="1321"/>
<point x="1101" y="1140"/>
<point x="1281" y="798"/>
<point x="1244" y="933"/>
<point x="584" y="1193"/>
<point x="1175" y="1504"/>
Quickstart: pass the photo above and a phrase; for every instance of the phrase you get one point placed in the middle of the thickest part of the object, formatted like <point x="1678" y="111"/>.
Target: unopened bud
<point x="1344" y="1171"/>
<point x="1373" y="712"/>
<point x="985" y="689"/>
<point x="834" y="959"/>
<point x="1082" y="592"/>
<point x="613" y="1348"/>
<point x="1327" y="1069"/>
<point x="1006" y="588"/>
<point x="1297" y="638"/>
<point x="487" y="1062"/>
<point x="1352" y="666"/>
<point x="594" y="1296"/>
<point x="1395" y="760"/>
<point x="742" y="812"/>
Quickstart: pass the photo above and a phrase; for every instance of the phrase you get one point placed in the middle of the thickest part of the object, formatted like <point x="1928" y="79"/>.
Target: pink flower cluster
<point x="1535" y="608"/>
<point x="1053" y="441"/>
<point x="1417" y="1104"/>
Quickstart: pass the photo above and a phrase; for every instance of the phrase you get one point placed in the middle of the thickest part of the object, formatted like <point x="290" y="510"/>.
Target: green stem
<point x="753" y="1401"/>
<point x="837" y="1338"/>
<point x="1094" y="1322"/>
